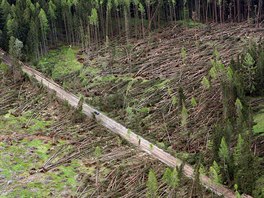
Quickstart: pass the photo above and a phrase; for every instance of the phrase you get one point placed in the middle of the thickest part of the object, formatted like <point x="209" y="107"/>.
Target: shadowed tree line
<point x="39" y="24"/>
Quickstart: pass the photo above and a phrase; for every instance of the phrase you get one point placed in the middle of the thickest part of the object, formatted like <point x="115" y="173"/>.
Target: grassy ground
<point x="60" y="62"/>
<point x="19" y="156"/>
<point x="259" y="120"/>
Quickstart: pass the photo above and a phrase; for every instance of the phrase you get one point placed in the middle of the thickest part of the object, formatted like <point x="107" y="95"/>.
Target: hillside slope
<point x="140" y="84"/>
<point x="47" y="151"/>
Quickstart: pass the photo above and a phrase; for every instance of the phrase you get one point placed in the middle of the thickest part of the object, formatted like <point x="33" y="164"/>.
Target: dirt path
<point x="121" y="130"/>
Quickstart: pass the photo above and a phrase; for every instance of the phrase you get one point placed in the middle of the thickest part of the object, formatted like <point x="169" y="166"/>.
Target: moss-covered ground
<point x="58" y="63"/>
<point x="22" y="151"/>
<point x="259" y="122"/>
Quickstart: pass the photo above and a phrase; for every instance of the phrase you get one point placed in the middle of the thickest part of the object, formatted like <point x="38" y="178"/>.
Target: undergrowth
<point x="60" y="62"/>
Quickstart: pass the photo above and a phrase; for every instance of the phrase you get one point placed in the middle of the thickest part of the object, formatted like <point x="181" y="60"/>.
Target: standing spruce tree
<point x="244" y="163"/>
<point x="44" y="27"/>
<point x="52" y="18"/>
<point x="15" y="50"/>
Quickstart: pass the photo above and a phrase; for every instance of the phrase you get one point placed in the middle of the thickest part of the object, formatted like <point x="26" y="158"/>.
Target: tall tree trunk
<point x="220" y="13"/>
<point x="238" y="10"/>
<point x="136" y="21"/>
<point x="66" y="28"/>
<point x="215" y="11"/>
<point x="248" y="10"/>
<point x="259" y="12"/>
<point x="142" y="25"/>
<point x="126" y="23"/>
<point x="107" y="26"/>
<point x="206" y="12"/>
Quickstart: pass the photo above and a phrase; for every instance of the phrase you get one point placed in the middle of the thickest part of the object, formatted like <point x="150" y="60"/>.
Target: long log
<point x="121" y="130"/>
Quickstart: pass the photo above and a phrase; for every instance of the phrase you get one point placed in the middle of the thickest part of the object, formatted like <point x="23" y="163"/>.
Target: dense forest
<point x="196" y="91"/>
<point x="39" y="24"/>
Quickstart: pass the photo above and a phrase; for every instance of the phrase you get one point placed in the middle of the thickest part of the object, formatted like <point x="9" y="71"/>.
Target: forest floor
<point x="139" y="84"/>
<point x="46" y="152"/>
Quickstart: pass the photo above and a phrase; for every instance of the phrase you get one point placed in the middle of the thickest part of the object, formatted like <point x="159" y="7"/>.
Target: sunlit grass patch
<point x="25" y="123"/>
<point x="259" y="120"/>
<point x="60" y="62"/>
<point x="18" y="159"/>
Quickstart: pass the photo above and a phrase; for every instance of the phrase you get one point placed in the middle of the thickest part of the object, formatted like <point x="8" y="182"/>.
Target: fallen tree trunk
<point x="121" y="130"/>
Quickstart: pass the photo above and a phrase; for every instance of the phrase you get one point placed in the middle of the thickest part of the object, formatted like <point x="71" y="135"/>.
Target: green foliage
<point x="202" y="170"/>
<point x="183" y="54"/>
<point x="44" y="24"/>
<point x="59" y="63"/>
<point x="16" y="123"/>
<point x="18" y="159"/>
<point x="15" y="47"/>
<point x="249" y="67"/>
<point x="52" y="10"/>
<point x="152" y="185"/>
<point x="215" y="173"/>
<point x="184" y="116"/>
<point x="171" y="178"/>
<point x="151" y="146"/>
<point x="213" y="72"/>
<point x="189" y="23"/>
<point x="236" y="191"/>
<point x="230" y="74"/>
<point x="94" y="17"/>
<point x="97" y="152"/>
<point x="224" y="151"/>
<point x="259" y="188"/>
<point x="3" y="68"/>
<point x="238" y="150"/>
<point x="128" y="133"/>
<point x="248" y="72"/>
<point x="193" y="102"/>
<point x="258" y="128"/>
<point x="174" y="99"/>
<point x="216" y="54"/>
<point x="205" y="83"/>
<point x="239" y="105"/>
<point x="161" y="145"/>
<point x="245" y="165"/>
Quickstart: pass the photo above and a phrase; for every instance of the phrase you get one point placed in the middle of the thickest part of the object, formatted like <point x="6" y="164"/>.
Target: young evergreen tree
<point x="152" y="185"/>
<point x="244" y="163"/>
<point x="15" y="47"/>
